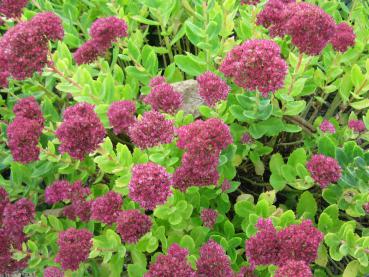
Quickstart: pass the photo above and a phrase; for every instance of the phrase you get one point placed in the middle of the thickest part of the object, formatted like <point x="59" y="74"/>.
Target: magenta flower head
<point x="29" y="108"/>
<point x="324" y="170"/>
<point x="59" y="191"/>
<point x="173" y="264"/>
<point x="158" y="80"/>
<point x="79" y="209"/>
<point x="74" y="248"/>
<point x="263" y="247"/>
<point x="226" y="185"/>
<point x="299" y="242"/>
<point x="132" y="225"/>
<point x="294" y="268"/>
<point x="273" y="17"/>
<point x="209" y="217"/>
<point x="24" y="49"/>
<point x="256" y="65"/>
<point x="4" y="200"/>
<point x="212" y="134"/>
<point x="310" y="27"/>
<point x="105" y="31"/>
<point x="121" y="116"/>
<point x="49" y="25"/>
<point x="327" y="127"/>
<point x="357" y="126"/>
<point x="366" y="207"/>
<point x="81" y="132"/>
<point x="106" y="208"/>
<point x="163" y="97"/>
<point x="246" y="138"/>
<point x="23" y="135"/>
<point x="53" y="271"/>
<point x="343" y="38"/>
<point x="212" y="88"/>
<point x="12" y="8"/>
<point x="149" y="185"/>
<point x="151" y="130"/>
<point x="213" y="261"/>
<point x="198" y="168"/>
<point x="245" y="271"/>
<point x="87" y="53"/>
<point x="16" y="216"/>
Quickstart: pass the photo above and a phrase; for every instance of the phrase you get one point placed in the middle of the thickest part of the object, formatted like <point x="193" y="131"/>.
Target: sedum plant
<point x="184" y="138"/>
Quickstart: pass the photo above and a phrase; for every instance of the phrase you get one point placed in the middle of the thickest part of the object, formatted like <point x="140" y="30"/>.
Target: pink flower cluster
<point x="213" y="261"/>
<point x="121" y="116"/>
<point x="24" y="132"/>
<point x="343" y="37"/>
<point x="149" y="185"/>
<point x="246" y="138"/>
<point x="81" y="131"/>
<point x="53" y="271"/>
<point x="212" y="88"/>
<point x="132" y="225"/>
<point x="151" y="130"/>
<point x="209" y="217"/>
<point x="106" y="208"/>
<point x="163" y="97"/>
<point x="13" y="218"/>
<point x="74" y="248"/>
<point x="256" y="65"/>
<point x="324" y="170"/>
<point x="309" y="26"/>
<point x="357" y="126"/>
<point x="12" y="8"/>
<point x="173" y="264"/>
<point x="203" y="142"/>
<point x="327" y="127"/>
<point x="62" y="190"/>
<point x="226" y="185"/>
<point x="286" y="248"/>
<point x="103" y="32"/>
<point x="295" y="269"/>
<point x="24" y="47"/>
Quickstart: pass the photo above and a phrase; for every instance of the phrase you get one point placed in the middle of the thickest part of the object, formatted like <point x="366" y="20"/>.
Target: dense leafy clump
<point x="184" y="138"/>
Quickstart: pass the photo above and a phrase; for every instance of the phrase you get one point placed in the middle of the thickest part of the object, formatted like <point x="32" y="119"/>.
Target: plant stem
<point x="61" y="74"/>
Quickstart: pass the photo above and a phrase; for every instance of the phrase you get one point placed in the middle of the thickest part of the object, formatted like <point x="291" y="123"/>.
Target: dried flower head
<point x="74" y="248"/>
<point x="149" y="185"/>
<point x="343" y="38"/>
<point x="324" y="170"/>
<point x="212" y="88"/>
<point x="81" y="131"/>
<point x="132" y="225"/>
<point x="151" y="130"/>
<point x="173" y="264"/>
<point x="256" y="65"/>
<point x="121" y="116"/>
<point x="327" y="127"/>
<point x="213" y="261"/>
<point x="106" y="208"/>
